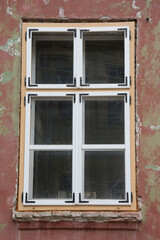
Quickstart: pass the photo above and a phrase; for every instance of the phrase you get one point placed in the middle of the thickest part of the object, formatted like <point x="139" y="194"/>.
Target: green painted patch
<point x="2" y="226"/>
<point x="153" y="167"/>
<point x="6" y="77"/>
<point x="0" y="93"/>
<point x="11" y="46"/>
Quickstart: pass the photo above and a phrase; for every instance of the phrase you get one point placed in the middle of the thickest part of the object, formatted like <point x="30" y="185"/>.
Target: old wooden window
<point x="78" y="117"/>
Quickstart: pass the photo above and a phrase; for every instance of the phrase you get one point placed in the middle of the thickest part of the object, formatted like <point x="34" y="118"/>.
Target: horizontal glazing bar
<point x="51" y="147"/>
<point x="103" y="146"/>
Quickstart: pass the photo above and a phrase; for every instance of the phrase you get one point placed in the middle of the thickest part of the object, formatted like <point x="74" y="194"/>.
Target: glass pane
<point x="104" y="121"/>
<point x="52" y="174"/>
<point x="54" y="59"/>
<point x="53" y="122"/>
<point x="104" y="175"/>
<point x="104" y="57"/>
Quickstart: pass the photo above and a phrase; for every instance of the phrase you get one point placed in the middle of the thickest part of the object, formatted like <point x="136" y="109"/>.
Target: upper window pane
<point x="53" y="56"/>
<point x="104" y="57"/>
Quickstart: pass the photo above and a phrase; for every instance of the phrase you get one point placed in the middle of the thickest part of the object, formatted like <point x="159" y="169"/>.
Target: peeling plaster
<point x="139" y="15"/>
<point x="10" y="46"/>
<point x="153" y="167"/>
<point x="2" y="226"/>
<point x="2" y="111"/>
<point x="61" y="12"/>
<point x="155" y="127"/>
<point x="6" y="77"/>
<point x="134" y="5"/>
<point x="46" y="2"/>
<point x="138" y="129"/>
<point x="9" y="11"/>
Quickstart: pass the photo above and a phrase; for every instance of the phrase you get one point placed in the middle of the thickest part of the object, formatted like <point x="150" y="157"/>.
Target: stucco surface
<point x="147" y="15"/>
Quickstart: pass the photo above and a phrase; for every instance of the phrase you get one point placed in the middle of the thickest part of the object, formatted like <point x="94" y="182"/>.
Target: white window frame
<point x="77" y="146"/>
<point x="77" y="58"/>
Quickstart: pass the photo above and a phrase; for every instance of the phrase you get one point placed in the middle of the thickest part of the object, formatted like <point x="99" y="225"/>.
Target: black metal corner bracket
<point x="26" y="199"/>
<point x="83" y="84"/>
<point x="74" y="83"/>
<point x="32" y="30"/>
<point x="30" y="95"/>
<point x="72" y="95"/>
<point x="80" y="200"/>
<point x="123" y="29"/>
<point x="125" y="201"/>
<point x="123" y="94"/>
<point x="82" y="94"/>
<point x="22" y="197"/>
<point x="73" y="199"/>
<point x="73" y="30"/>
<point x="29" y="83"/>
<point x="81" y="32"/>
<point x="125" y="83"/>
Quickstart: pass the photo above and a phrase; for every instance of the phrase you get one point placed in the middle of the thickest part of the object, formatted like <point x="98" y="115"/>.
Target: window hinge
<point x="125" y="201"/>
<point x="73" y="30"/>
<point x="26" y="199"/>
<point x="123" y="29"/>
<point x="81" y="32"/>
<point x="130" y="100"/>
<point x="30" y="95"/>
<point x="22" y="197"/>
<point x="26" y="36"/>
<point x="83" y="84"/>
<point x="73" y="199"/>
<point x="29" y="83"/>
<point x="129" y="35"/>
<point x="74" y="83"/>
<point x="123" y="94"/>
<point x="32" y="30"/>
<point x="80" y="200"/>
<point x="125" y="83"/>
<point x="24" y="101"/>
<point x="130" y="80"/>
<point x="72" y="95"/>
<point x="131" y="197"/>
<point x="82" y="94"/>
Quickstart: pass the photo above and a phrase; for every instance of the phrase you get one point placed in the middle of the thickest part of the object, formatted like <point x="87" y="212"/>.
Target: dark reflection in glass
<point x="54" y="62"/>
<point x="104" y="121"/>
<point x="104" y="175"/>
<point x="52" y="174"/>
<point x="104" y="57"/>
<point x="53" y="122"/>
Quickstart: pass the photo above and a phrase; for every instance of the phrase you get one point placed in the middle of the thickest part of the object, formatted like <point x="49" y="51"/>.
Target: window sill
<point x="78" y="220"/>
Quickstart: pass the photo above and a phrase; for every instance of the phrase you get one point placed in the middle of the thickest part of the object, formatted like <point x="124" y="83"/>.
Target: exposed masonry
<point x="56" y="216"/>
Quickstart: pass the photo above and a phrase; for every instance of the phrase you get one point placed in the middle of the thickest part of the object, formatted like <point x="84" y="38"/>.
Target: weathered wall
<point x="147" y="14"/>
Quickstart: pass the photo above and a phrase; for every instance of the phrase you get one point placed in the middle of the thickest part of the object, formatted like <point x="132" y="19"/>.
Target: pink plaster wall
<point x="148" y="108"/>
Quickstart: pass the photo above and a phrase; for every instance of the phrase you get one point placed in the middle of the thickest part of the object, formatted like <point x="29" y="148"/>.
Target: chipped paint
<point x="46" y="2"/>
<point x="138" y="129"/>
<point x="153" y="167"/>
<point x="9" y="11"/>
<point x="134" y="5"/>
<point x="139" y="15"/>
<point x="155" y="127"/>
<point x="2" y="226"/>
<point x="2" y="111"/>
<point x="6" y="77"/>
<point x="10" y="46"/>
<point x="61" y="12"/>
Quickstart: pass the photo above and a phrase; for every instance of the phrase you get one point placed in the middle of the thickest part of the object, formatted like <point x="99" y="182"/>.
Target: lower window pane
<point x="52" y="174"/>
<point x="104" y="175"/>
